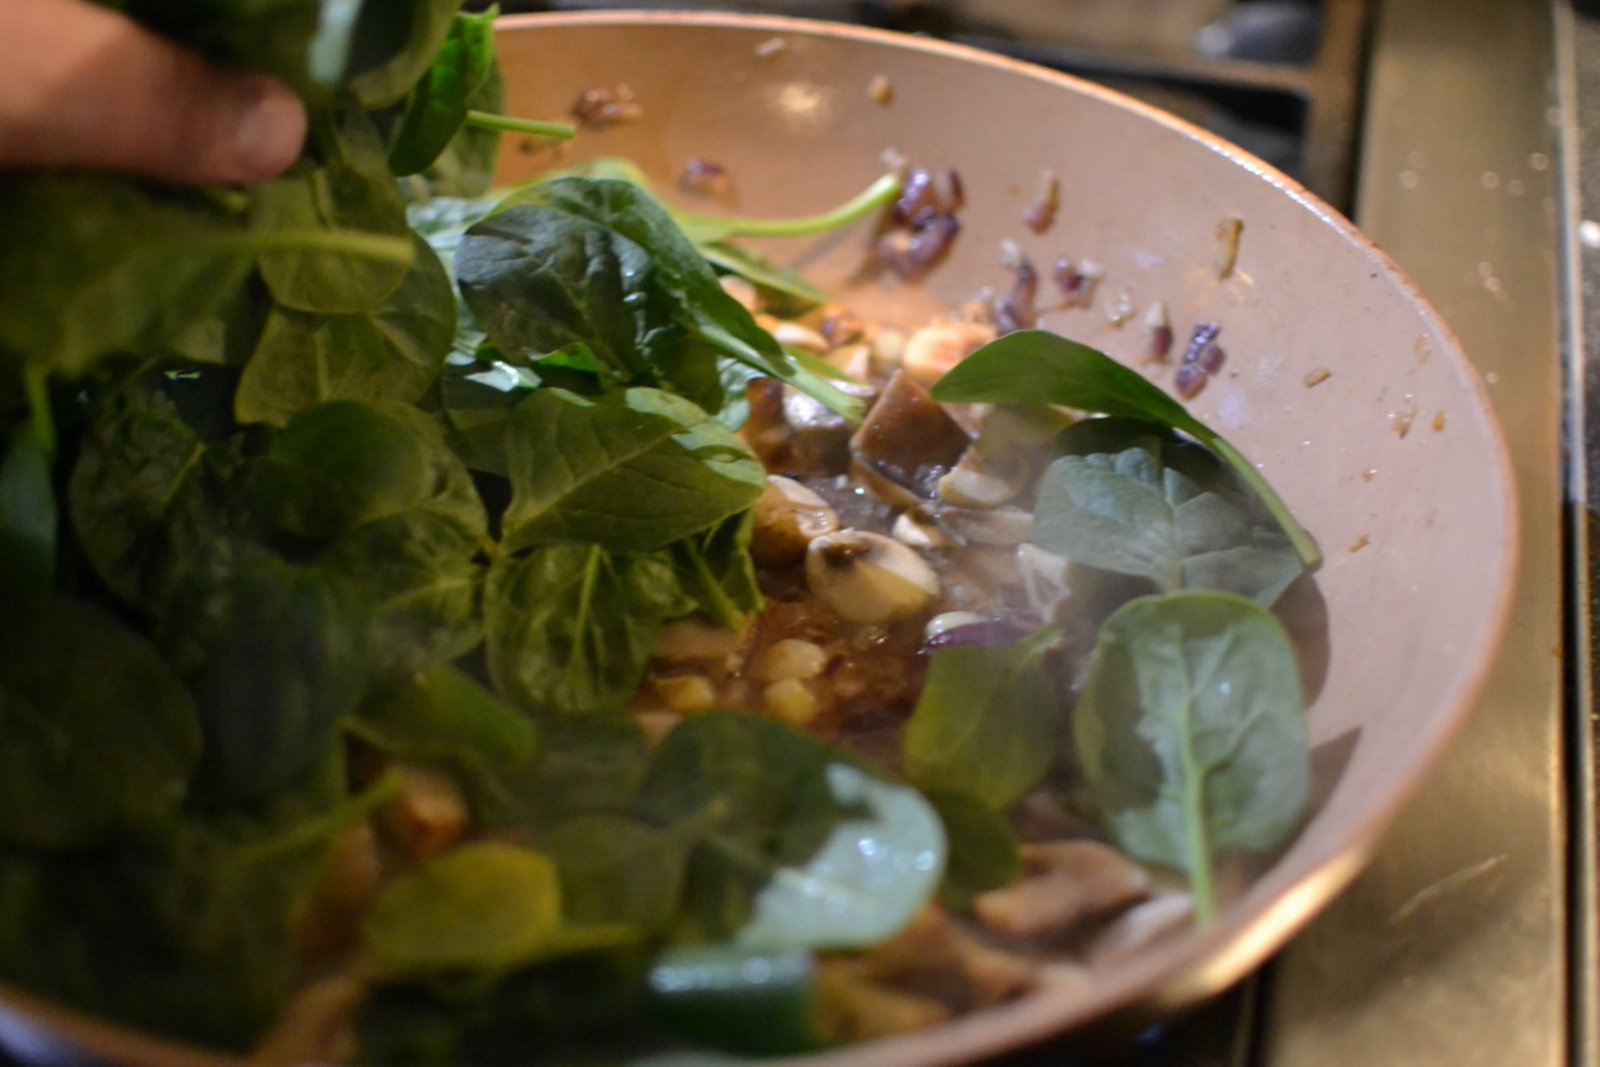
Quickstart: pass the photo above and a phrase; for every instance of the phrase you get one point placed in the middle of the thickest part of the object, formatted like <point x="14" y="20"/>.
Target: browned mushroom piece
<point x="1068" y="883"/>
<point x="908" y="439"/>
<point x="795" y="433"/>
<point x="930" y="971"/>
<point x="427" y="814"/>
<point x="787" y="517"/>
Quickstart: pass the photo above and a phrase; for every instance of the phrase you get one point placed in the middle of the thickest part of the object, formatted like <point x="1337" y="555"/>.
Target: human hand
<point x="81" y="86"/>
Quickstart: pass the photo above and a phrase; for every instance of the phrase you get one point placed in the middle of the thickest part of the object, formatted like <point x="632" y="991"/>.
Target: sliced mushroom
<point x="867" y="577"/>
<point x="917" y="529"/>
<point x="908" y="438"/>
<point x="998" y="527"/>
<point x="791" y="431"/>
<point x="787" y="516"/>
<point x="933" y="350"/>
<point x="795" y="335"/>
<point x="983" y="480"/>
<point x="1043" y="579"/>
<point x="428" y="813"/>
<point x="1070" y="883"/>
<point x="936" y="957"/>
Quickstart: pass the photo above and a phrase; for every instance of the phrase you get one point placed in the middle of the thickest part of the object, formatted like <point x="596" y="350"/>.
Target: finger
<point x="81" y="86"/>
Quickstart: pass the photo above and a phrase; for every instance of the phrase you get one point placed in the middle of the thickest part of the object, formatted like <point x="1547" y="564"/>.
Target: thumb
<point x="82" y="86"/>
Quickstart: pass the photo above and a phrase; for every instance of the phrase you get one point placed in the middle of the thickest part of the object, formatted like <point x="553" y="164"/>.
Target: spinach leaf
<point x="570" y="628"/>
<point x="93" y="264"/>
<point x="758" y="1001"/>
<point x="442" y="715"/>
<point x="391" y="352"/>
<point x="798" y="846"/>
<point x="466" y="167"/>
<point x="882" y="857"/>
<point x="583" y="766"/>
<point x="1191" y="732"/>
<point x="705" y="310"/>
<point x="28" y="517"/>
<point x="1130" y="498"/>
<point x="983" y="849"/>
<point x="618" y="869"/>
<point x="438" y="106"/>
<point x="416" y="581"/>
<point x="338" y="465"/>
<point x="716" y="570"/>
<point x="349" y="189"/>
<point x="228" y="897"/>
<point x="148" y="495"/>
<point x="1039" y="367"/>
<point x="393" y="46"/>
<point x="631" y="471"/>
<point x="271" y="655"/>
<point x="484" y="905"/>
<point x="97" y="735"/>
<point x="586" y="1011"/>
<point x="82" y="931"/>
<point x="988" y="722"/>
<point x="541" y="280"/>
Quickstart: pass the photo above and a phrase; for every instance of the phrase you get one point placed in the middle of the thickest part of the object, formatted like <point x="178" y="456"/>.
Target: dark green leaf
<point x="709" y="312"/>
<point x="28" y="519"/>
<point x="1039" y="367"/>
<point x="1191" y="732"/>
<point x="271" y="656"/>
<point x="633" y="471"/>
<point x="416" y="578"/>
<point x="441" y="715"/>
<point x="540" y="280"/>
<point x="1130" y="498"/>
<point x="616" y="869"/>
<point x="392" y="352"/>
<point x="467" y="165"/>
<point x="438" y="106"/>
<point x="983" y="849"/>
<point x="988" y="723"/>
<point x="393" y="46"/>
<point x="715" y="569"/>
<point x="762" y="1002"/>
<point x="97" y="735"/>
<point x="570" y="628"/>
<point x="342" y="464"/>
<point x="349" y="190"/>
<point x="583" y="766"/>
<point x="149" y="499"/>
<point x="93" y="264"/>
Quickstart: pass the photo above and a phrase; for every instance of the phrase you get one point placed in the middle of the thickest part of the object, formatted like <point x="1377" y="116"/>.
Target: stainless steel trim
<point x="1453" y="947"/>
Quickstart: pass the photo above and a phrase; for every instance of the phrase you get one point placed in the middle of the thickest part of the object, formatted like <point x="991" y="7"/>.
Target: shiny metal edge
<point x="1452" y="947"/>
<point x="1578" y="93"/>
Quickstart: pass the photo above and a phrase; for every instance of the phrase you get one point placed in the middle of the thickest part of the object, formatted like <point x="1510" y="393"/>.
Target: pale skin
<point x="82" y="87"/>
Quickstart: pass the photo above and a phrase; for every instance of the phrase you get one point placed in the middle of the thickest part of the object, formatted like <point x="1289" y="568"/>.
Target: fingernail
<point x="271" y="130"/>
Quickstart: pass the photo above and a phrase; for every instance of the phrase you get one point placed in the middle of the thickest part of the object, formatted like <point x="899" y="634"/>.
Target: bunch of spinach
<point x="250" y="529"/>
<point x="1188" y="727"/>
